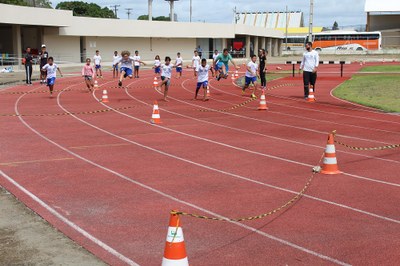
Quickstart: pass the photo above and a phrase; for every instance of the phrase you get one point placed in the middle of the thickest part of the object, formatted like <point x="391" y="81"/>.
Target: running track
<point x="108" y="180"/>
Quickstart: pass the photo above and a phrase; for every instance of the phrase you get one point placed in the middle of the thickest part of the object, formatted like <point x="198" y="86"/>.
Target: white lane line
<point x="224" y="172"/>
<point x="282" y="241"/>
<point x="80" y="230"/>
<point x="68" y="222"/>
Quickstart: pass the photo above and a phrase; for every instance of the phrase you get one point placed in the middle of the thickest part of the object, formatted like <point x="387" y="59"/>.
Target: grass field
<point x="374" y="90"/>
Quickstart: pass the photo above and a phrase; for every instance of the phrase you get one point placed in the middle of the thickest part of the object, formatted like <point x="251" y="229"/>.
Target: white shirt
<point x="137" y="59"/>
<point x="253" y="67"/>
<point x="310" y="61"/>
<point x="179" y="61"/>
<point x="97" y="59"/>
<point x="196" y="61"/>
<point x="116" y="59"/>
<point x="51" y="70"/>
<point x="126" y="63"/>
<point x="157" y="63"/>
<point x="215" y="56"/>
<point x="166" y="71"/>
<point x="202" y="73"/>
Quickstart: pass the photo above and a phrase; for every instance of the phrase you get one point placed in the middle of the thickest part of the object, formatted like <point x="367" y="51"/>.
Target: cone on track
<point x="236" y="74"/>
<point x="263" y="102"/>
<point x="96" y="85"/>
<point x="155" y="117"/>
<point x="104" y="98"/>
<point x="311" y="97"/>
<point x="155" y="82"/>
<point x="175" y="251"/>
<point x="329" y="164"/>
<point x="233" y="76"/>
<point x="208" y="95"/>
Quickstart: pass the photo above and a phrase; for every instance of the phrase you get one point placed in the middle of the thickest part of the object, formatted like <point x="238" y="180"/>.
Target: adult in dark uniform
<point x="262" y="54"/>
<point x="27" y="60"/>
<point x="43" y="56"/>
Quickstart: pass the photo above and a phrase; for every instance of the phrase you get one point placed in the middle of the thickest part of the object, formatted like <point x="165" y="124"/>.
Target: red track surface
<point x="108" y="180"/>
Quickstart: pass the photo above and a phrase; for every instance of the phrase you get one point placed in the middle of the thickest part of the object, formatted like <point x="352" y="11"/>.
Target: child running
<point x="157" y="65"/>
<point x="251" y="76"/>
<point x="178" y="65"/>
<point x="166" y="71"/>
<point x="195" y="62"/>
<point x="116" y="58"/>
<point x="221" y="63"/>
<point x="137" y="63"/>
<point x="51" y="69"/>
<point x="202" y="78"/>
<point x="97" y="63"/>
<point x="88" y="74"/>
<point x="126" y="61"/>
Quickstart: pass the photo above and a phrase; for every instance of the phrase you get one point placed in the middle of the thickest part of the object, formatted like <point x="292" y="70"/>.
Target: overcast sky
<point x="345" y="12"/>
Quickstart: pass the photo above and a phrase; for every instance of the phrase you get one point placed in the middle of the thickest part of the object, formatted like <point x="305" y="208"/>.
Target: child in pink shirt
<point x="88" y="74"/>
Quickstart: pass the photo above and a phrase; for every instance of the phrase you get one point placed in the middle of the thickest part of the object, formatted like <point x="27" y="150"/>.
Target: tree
<point x="335" y="26"/>
<point x="160" y="18"/>
<point x="35" y="3"/>
<point x="84" y="9"/>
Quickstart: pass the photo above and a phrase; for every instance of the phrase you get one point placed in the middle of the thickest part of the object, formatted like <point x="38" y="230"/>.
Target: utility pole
<point x="115" y="7"/>
<point x="190" y="16"/>
<point x="287" y="25"/>
<point x="128" y="11"/>
<point x="236" y="16"/>
<point x="310" y="24"/>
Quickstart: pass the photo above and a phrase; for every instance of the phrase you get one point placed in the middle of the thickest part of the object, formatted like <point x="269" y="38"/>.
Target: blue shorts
<point x="127" y="70"/>
<point x="115" y="67"/>
<point x="164" y="78"/>
<point x="157" y="70"/>
<point x="250" y="80"/>
<point x="51" y="81"/>
<point x="98" y="66"/>
<point x="216" y="67"/>
<point x="136" y="67"/>
<point x="179" y="69"/>
<point x="219" y="66"/>
<point x="204" y="84"/>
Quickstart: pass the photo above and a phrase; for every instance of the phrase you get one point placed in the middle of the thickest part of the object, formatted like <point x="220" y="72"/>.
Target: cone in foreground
<point x="236" y="74"/>
<point x="208" y="95"/>
<point x="175" y="250"/>
<point x="311" y="96"/>
<point x="329" y="165"/>
<point x="263" y="102"/>
<point x="96" y="84"/>
<point x="155" y="117"/>
<point x="104" y="98"/>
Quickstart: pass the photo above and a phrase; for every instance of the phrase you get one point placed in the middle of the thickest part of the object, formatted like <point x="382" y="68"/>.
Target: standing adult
<point x="28" y="59"/>
<point x="43" y="56"/>
<point x="262" y="54"/>
<point x="309" y="65"/>
<point x="200" y="52"/>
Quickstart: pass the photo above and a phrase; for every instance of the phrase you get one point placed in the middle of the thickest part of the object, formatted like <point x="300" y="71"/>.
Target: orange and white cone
<point x="236" y="74"/>
<point x="329" y="164"/>
<point x="263" y="102"/>
<point x="233" y="76"/>
<point x="155" y="82"/>
<point x="175" y="250"/>
<point x="208" y="95"/>
<point x="155" y="117"/>
<point x="311" y="96"/>
<point x="96" y="85"/>
<point x="104" y="98"/>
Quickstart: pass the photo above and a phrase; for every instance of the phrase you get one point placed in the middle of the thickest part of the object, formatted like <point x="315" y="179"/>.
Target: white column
<point x="150" y="10"/>
<point x="256" y="47"/>
<point x="269" y="47"/>
<point x="17" y="43"/>
<point x="171" y="14"/>
<point x="248" y="40"/>
<point x="263" y="43"/>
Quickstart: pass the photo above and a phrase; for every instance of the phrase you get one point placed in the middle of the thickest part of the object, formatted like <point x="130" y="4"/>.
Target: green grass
<point x="378" y="91"/>
<point x="383" y="68"/>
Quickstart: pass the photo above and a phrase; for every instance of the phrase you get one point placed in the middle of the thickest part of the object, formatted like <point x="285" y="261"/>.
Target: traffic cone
<point x="155" y="117"/>
<point x="233" y="76"/>
<point x="329" y="164"/>
<point x="236" y="74"/>
<point x="155" y="82"/>
<point x="96" y="85"/>
<point x="175" y="251"/>
<point x="263" y="102"/>
<point x="104" y="98"/>
<point x="208" y="95"/>
<point x="311" y="97"/>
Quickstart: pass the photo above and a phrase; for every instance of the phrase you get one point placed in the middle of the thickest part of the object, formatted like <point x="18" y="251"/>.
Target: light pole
<point x="150" y="5"/>
<point x="310" y="23"/>
<point x="171" y="4"/>
<point x="190" y="17"/>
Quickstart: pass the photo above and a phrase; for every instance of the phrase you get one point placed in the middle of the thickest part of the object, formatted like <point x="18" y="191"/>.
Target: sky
<point x="326" y="12"/>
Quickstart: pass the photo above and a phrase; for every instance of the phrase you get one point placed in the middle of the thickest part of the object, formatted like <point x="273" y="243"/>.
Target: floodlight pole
<point x="310" y="24"/>
<point x="287" y="25"/>
<point x="190" y="17"/>
<point x="150" y="5"/>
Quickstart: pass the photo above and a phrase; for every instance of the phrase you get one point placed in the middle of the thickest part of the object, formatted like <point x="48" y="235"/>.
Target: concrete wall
<point x="391" y="39"/>
<point x="62" y="48"/>
<point x="384" y="22"/>
<point x="148" y="47"/>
